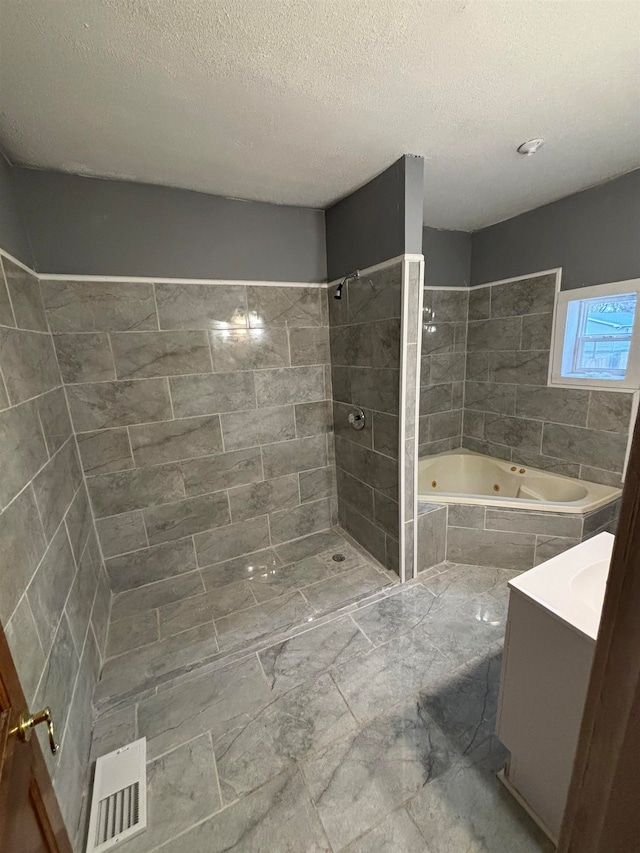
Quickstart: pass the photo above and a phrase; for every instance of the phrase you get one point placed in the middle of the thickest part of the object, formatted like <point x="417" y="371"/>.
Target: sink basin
<point x="590" y="583"/>
<point x="572" y="585"/>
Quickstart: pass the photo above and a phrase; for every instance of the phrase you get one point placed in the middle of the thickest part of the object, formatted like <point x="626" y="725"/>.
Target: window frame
<point x="631" y="381"/>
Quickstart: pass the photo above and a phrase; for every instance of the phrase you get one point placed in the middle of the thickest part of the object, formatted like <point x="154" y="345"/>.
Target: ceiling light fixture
<point x="530" y="147"/>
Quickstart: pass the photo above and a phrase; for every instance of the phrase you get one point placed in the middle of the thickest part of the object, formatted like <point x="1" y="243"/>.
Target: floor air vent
<point x="119" y="801"/>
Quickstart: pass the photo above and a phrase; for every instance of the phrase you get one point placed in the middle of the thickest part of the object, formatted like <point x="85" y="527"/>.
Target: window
<point x="595" y="344"/>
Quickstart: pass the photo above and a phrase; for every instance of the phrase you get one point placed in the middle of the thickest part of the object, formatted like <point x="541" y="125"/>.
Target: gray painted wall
<point x="86" y="226"/>
<point x="72" y="225"/>
<point x="13" y="234"/>
<point x="593" y="235"/>
<point x="379" y="221"/>
<point x="447" y="257"/>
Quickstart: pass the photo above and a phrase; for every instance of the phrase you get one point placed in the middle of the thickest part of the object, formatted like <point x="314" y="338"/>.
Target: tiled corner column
<point x="54" y="595"/>
<point x="375" y="357"/>
<point x="411" y="346"/>
<point x="202" y="415"/>
<point x="432" y="535"/>
<point x="365" y="328"/>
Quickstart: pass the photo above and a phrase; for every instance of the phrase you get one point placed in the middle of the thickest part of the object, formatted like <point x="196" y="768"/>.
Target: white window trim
<point x="631" y="382"/>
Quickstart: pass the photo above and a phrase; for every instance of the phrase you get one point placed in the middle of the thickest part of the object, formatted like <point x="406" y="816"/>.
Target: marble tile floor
<point x="370" y="732"/>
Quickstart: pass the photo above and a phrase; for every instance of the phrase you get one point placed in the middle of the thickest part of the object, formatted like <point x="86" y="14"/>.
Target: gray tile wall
<point x="444" y="332"/>
<point x="54" y="596"/>
<point x="510" y="413"/>
<point x="203" y="418"/>
<point x="365" y="370"/>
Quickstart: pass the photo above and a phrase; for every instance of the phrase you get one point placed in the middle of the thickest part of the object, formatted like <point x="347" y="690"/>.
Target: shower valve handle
<point x="356" y="419"/>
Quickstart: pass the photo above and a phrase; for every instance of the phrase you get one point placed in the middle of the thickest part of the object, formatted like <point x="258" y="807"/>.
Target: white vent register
<point x="119" y="800"/>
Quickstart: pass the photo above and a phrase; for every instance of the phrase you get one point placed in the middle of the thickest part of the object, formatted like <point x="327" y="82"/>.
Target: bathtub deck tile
<point x="544" y="523"/>
<point x="550" y="546"/>
<point x="466" y="515"/>
<point x="503" y="549"/>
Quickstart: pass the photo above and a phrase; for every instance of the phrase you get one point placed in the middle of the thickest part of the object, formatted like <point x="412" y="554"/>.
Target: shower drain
<point x="338" y="558"/>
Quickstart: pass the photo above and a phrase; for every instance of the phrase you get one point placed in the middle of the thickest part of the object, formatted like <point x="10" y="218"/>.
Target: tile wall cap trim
<point x="484" y="320"/>
<point x="416" y="416"/>
<point x="18" y="263"/>
<point x="136" y="279"/>
<point x="557" y="271"/>
<point x="246" y="282"/>
<point x="154" y="279"/>
<point x="323" y="285"/>
<point x="382" y="265"/>
<point x="447" y="289"/>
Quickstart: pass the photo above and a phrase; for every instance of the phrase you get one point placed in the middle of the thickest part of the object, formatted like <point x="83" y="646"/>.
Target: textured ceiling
<point x="301" y="101"/>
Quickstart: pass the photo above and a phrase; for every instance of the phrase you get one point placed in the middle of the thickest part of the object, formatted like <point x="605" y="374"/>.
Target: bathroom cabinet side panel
<point x="544" y="685"/>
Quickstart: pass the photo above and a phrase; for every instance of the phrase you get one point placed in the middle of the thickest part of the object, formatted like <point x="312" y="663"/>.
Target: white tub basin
<point x="463" y="476"/>
<point x="572" y="585"/>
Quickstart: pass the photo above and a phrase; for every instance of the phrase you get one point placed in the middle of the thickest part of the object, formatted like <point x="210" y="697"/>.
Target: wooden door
<point x="602" y="813"/>
<point x="30" y="818"/>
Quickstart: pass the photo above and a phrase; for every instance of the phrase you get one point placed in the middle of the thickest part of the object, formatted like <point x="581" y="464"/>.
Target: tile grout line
<point x="102" y="567"/>
<point x="264" y="674"/>
<point x="6" y="284"/>
<point x="48" y="542"/>
<point x="215" y="769"/>
<point x="361" y="629"/>
<point x="155" y="304"/>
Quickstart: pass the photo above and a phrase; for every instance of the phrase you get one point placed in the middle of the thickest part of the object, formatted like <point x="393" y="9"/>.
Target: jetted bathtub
<point x="465" y="477"/>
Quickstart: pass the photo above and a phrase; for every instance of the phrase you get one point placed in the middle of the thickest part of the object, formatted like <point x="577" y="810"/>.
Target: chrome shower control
<point x="356" y="419"/>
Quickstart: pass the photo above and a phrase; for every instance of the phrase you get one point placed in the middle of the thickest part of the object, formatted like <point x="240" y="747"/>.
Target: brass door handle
<point x="28" y="722"/>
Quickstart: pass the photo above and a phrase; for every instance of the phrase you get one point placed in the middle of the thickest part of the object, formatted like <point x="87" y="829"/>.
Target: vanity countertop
<point x="572" y="585"/>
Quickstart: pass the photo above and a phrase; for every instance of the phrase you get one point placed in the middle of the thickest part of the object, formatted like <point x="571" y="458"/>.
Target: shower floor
<point x="367" y="728"/>
<point x="160" y="631"/>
